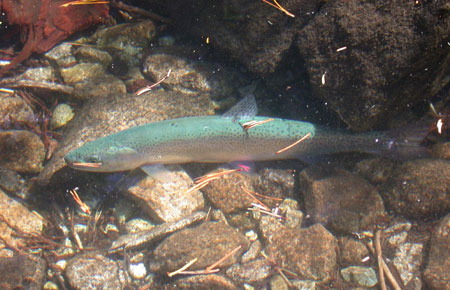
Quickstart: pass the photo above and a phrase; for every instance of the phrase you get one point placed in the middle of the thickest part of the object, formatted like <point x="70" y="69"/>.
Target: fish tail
<point x="405" y="143"/>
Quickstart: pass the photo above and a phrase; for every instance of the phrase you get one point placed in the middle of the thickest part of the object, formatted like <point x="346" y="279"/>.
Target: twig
<point x="293" y="144"/>
<point x="132" y="9"/>
<point x="380" y="259"/>
<point x="149" y="88"/>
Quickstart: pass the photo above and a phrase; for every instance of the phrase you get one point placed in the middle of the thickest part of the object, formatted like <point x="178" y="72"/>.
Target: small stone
<point x="82" y="72"/>
<point x="15" y="110"/>
<point x="62" y="55"/>
<point x="277" y="283"/>
<point x="397" y="233"/>
<point x="251" y="235"/>
<point x="93" y="55"/>
<point x="208" y="242"/>
<point x="253" y="252"/>
<point x="275" y="183"/>
<point x="304" y="284"/>
<point x="137" y="271"/>
<point x="226" y="193"/>
<point x="253" y="271"/>
<point x="363" y="276"/>
<point x="408" y="261"/>
<point x="95" y="271"/>
<point x="437" y="272"/>
<point x="49" y="285"/>
<point x="104" y="85"/>
<point x="61" y="116"/>
<point x="352" y="252"/>
<point x="61" y="264"/>
<point x="22" y="272"/>
<point x="13" y="183"/>
<point x="152" y="195"/>
<point x="39" y="74"/>
<point x="203" y="282"/>
<point x="137" y="225"/>
<point x="21" y="151"/>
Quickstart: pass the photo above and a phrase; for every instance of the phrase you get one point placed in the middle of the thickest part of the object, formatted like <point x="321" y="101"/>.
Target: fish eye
<point x="93" y="159"/>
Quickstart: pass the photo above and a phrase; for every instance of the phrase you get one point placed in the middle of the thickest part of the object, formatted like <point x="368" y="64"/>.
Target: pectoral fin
<point x="158" y="172"/>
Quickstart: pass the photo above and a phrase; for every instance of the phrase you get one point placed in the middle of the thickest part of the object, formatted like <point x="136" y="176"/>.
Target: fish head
<point x="96" y="158"/>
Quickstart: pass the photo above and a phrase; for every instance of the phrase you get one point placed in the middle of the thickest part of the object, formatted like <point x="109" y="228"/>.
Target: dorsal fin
<point x="244" y="108"/>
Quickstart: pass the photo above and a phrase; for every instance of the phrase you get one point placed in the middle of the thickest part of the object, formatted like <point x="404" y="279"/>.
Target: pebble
<point x="61" y="116"/>
<point x="137" y="271"/>
<point x="363" y="276"/>
<point x="253" y="271"/>
<point x="138" y="225"/>
<point x="352" y="252"/>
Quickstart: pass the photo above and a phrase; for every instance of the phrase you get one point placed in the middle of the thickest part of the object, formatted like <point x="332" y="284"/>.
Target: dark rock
<point x="419" y="189"/>
<point x="95" y="271"/>
<point x="153" y="195"/>
<point x="14" y="110"/>
<point x="12" y="182"/>
<point x="100" y="117"/>
<point x="340" y="200"/>
<point x="437" y="272"/>
<point x="22" y="272"/>
<point x="310" y="252"/>
<point x="208" y="242"/>
<point x="352" y="252"/>
<point x="387" y="45"/>
<point x="253" y="271"/>
<point x="203" y="282"/>
<point x="362" y="276"/>
<point x="226" y="193"/>
<point x="376" y="170"/>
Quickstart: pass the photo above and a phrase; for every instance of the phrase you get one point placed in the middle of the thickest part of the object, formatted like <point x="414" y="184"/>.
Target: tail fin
<point x="406" y="142"/>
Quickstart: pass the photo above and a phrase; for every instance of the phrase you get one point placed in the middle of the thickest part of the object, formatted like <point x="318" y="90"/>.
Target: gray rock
<point x="62" y="114"/>
<point x="340" y="200"/>
<point x="21" y="151"/>
<point x="95" y="271"/>
<point x="253" y="252"/>
<point x="277" y="283"/>
<point x="137" y="225"/>
<point x="62" y="55"/>
<point x="363" y="276"/>
<point x="310" y="252"/>
<point x="208" y="242"/>
<point x="82" y="72"/>
<point x="15" y="214"/>
<point x="127" y="40"/>
<point x="94" y="55"/>
<point x="39" y="74"/>
<point x="409" y="260"/>
<point x="352" y="252"/>
<point x="22" y="272"/>
<point x="276" y="183"/>
<point x="304" y="284"/>
<point x="105" y="85"/>
<point x="167" y="200"/>
<point x="203" y="282"/>
<point x="419" y="189"/>
<point x="12" y="182"/>
<point x="110" y="114"/>
<point x="143" y="238"/>
<point x="253" y="271"/>
<point x="437" y="272"/>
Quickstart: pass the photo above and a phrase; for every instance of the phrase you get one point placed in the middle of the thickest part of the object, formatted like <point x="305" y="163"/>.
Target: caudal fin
<point x="406" y="142"/>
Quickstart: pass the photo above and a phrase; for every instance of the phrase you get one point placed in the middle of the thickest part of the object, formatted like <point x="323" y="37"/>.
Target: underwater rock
<point x="408" y="260"/>
<point x="21" y="151"/>
<point x="437" y="272"/>
<point x="14" y="110"/>
<point x="128" y="40"/>
<point x="62" y="114"/>
<point x="62" y="55"/>
<point x="226" y="193"/>
<point x="16" y="215"/>
<point x="340" y="200"/>
<point x="167" y="200"/>
<point x="276" y="183"/>
<point x="352" y="252"/>
<point x="191" y="76"/>
<point x="374" y="77"/>
<point x="208" y="242"/>
<point x="203" y="282"/>
<point x="419" y="189"/>
<point x="104" y="86"/>
<point x="310" y="252"/>
<point x="110" y="114"/>
<point x="22" y="272"/>
<point x="363" y="276"/>
<point x="93" y="55"/>
<point x="95" y="271"/>
<point x="253" y="271"/>
<point x="82" y="72"/>
<point x="12" y="182"/>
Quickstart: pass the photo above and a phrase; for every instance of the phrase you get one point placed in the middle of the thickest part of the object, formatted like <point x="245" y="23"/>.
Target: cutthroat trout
<point x="238" y="135"/>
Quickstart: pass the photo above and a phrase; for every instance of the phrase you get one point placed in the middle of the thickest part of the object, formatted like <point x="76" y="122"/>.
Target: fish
<point x="236" y="136"/>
